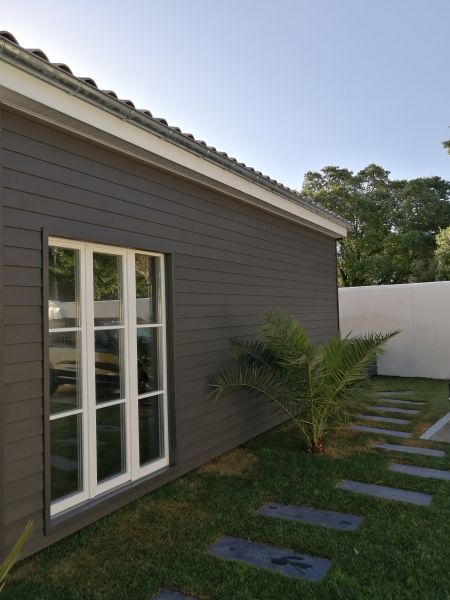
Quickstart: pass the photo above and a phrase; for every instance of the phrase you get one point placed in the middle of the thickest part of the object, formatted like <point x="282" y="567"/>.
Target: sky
<point x="286" y="86"/>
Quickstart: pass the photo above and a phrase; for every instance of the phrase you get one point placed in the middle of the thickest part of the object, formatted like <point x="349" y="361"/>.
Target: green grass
<point x="161" y="540"/>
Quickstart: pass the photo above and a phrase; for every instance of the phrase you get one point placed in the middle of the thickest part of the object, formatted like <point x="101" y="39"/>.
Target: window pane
<point x="109" y="365"/>
<point x="110" y="442"/>
<point x="147" y="289"/>
<point x="147" y="359"/>
<point x="107" y="289"/>
<point x="63" y="278"/>
<point x="65" y="457"/>
<point x="150" y="429"/>
<point x="65" y="371"/>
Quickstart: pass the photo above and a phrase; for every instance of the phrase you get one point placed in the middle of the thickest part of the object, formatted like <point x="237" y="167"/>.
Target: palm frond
<point x="286" y="337"/>
<point x="12" y="557"/>
<point x="250" y="352"/>
<point x="347" y="359"/>
<point x="264" y="381"/>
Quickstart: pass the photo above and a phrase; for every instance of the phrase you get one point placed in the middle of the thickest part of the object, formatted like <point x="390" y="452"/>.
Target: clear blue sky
<point x="286" y="86"/>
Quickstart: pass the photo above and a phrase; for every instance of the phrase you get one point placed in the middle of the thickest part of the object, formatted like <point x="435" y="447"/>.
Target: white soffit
<point x="33" y="95"/>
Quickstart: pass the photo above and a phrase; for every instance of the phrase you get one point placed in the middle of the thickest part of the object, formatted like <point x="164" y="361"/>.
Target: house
<point x="131" y="253"/>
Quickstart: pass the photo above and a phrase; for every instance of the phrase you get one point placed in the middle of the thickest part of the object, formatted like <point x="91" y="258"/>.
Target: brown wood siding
<point x="230" y="262"/>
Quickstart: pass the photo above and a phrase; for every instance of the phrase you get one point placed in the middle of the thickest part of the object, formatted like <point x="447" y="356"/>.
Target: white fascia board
<point x="43" y="98"/>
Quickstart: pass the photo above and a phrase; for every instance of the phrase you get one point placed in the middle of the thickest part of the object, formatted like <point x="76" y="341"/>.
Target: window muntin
<point x="107" y="369"/>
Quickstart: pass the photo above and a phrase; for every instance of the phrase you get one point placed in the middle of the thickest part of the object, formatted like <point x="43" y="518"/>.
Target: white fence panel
<point x="420" y="310"/>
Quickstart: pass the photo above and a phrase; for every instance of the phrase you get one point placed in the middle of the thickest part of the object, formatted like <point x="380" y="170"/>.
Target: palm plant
<point x="11" y="559"/>
<point x="312" y="384"/>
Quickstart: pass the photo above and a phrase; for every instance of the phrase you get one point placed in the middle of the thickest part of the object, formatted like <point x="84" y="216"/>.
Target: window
<point x="107" y="360"/>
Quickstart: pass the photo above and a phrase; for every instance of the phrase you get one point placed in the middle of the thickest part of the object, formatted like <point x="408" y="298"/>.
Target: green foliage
<point x="106" y="276"/>
<point x="446" y="145"/>
<point x="160" y="541"/>
<point x="442" y="254"/>
<point x="12" y="557"/>
<point x="312" y="384"/>
<point x="63" y="267"/>
<point x="393" y="223"/>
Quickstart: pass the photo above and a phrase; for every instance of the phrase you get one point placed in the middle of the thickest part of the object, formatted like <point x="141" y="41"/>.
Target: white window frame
<point x="133" y="469"/>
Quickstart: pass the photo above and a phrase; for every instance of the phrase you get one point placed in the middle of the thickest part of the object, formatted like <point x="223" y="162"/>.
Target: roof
<point x="36" y="61"/>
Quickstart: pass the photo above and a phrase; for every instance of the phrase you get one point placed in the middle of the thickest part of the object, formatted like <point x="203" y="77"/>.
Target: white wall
<point x="420" y="310"/>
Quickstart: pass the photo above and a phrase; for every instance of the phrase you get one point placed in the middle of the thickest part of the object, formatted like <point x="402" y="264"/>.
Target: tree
<point x="421" y="211"/>
<point x="393" y="223"/>
<point x="310" y="383"/>
<point x="446" y="145"/>
<point x="442" y="254"/>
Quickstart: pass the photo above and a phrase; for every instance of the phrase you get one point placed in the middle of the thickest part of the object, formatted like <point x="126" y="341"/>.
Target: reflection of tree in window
<point x="144" y="275"/>
<point x="106" y="277"/>
<point x="146" y="288"/>
<point x="62" y="266"/>
<point x="147" y="357"/>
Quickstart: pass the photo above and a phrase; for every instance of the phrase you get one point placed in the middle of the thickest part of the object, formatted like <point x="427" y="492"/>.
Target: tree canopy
<point x="446" y="145"/>
<point x="393" y="223"/>
<point x="443" y="254"/>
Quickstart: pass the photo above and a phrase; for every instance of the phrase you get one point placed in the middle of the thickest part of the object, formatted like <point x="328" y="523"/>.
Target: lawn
<point x="160" y="541"/>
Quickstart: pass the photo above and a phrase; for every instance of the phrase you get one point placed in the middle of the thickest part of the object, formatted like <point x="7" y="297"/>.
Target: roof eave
<point x="58" y="77"/>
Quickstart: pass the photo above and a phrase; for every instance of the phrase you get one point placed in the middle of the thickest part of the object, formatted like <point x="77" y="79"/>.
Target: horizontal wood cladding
<point x="231" y="262"/>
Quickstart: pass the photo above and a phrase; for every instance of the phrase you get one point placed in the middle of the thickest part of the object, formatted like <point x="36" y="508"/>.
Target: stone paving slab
<point x="420" y="471"/>
<point x="394" y="392"/>
<point x="379" y="431"/>
<point x="440" y="430"/>
<point x="381" y="419"/>
<point x="170" y="595"/>
<point x="385" y="492"/>
<point x="327" y="518"/>
<point x="394" y="409"/>
<point x="281" y="560"/>
<point x="411" y="450"/>
<point x="402" y="402"/>
<point x="443" y="435"/>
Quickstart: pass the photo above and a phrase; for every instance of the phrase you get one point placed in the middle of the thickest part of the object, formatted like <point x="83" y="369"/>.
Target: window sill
<point x="87" y="511"/>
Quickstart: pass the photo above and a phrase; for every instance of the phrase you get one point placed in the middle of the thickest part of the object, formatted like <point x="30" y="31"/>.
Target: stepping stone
<point x="281" y="560"/>
<point x="393" y="409"/>
<point x="411" y="450"/>
<point x="311" y="515"/>
<point x="384" y="419"/>
<point x="379" y="431"/>
<point x="170" y="595"/>
<point x="394" y="392"/>
<point x="420" y="471"/>
<point x="438" y="431"/>
<point x="442" y="435"/>
<point x="388" y="493"/>
<point x="407" y="402"/>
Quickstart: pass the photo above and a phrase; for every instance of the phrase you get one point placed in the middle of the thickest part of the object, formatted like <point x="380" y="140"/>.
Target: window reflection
<point x="107" y="289"/>
<point x="65" y="371"/>
<point x="108" y="365"/>
<point x="63" y="303"/>
<point x="147" y="273"/>
<point x="110" y="442"/>
<point x="147" y="359"/>
<point x="150" y="428"/>
<point x="65" y="456"/>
